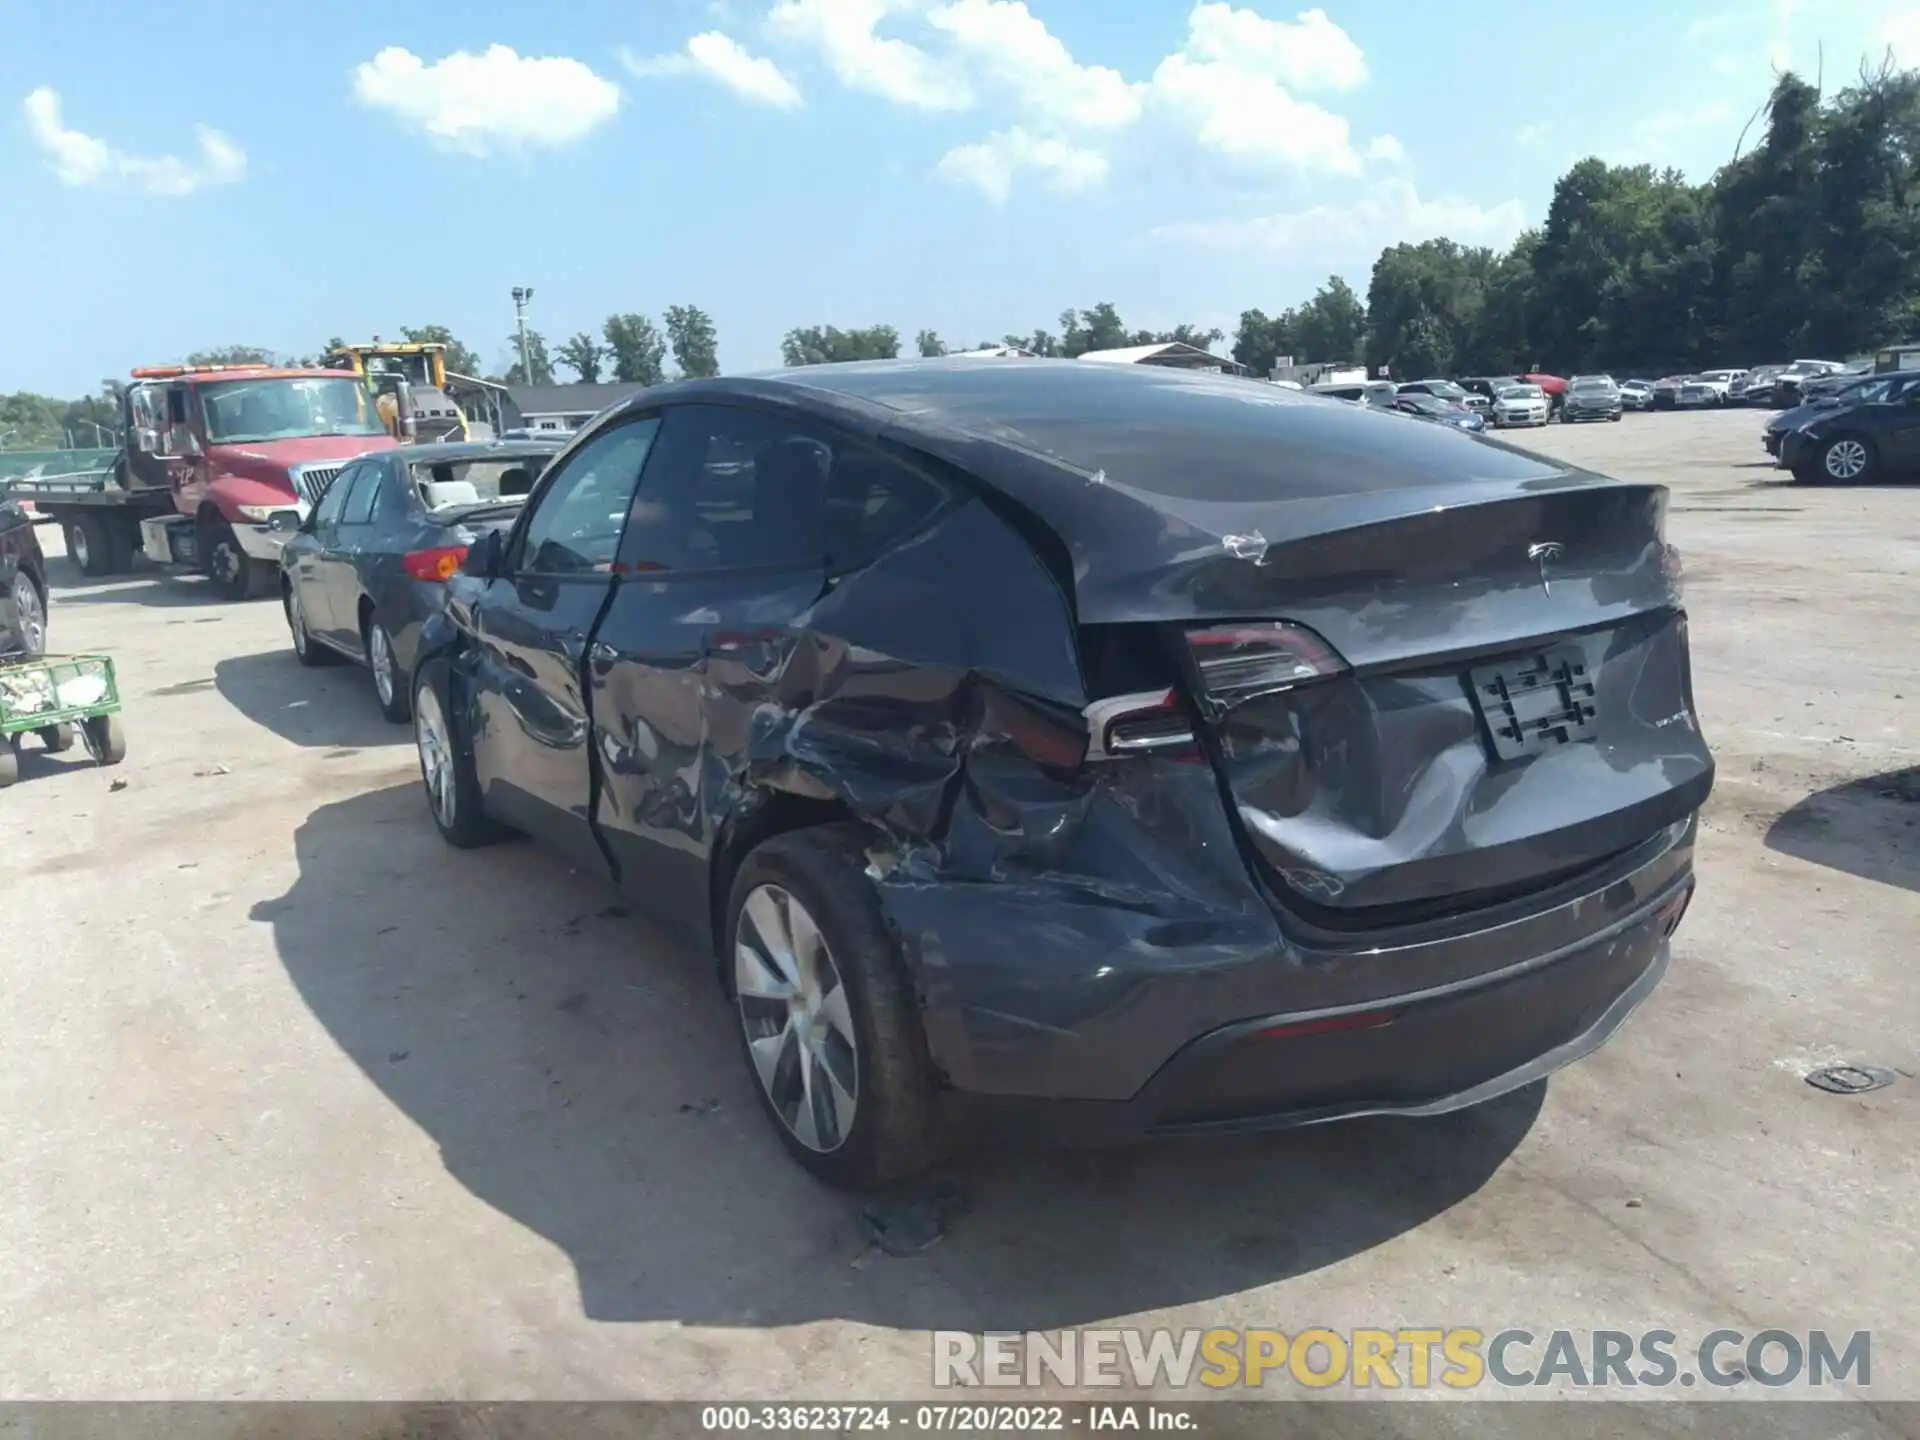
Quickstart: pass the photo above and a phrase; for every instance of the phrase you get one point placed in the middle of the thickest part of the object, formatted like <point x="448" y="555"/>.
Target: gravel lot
<point x="300" y="1103"/>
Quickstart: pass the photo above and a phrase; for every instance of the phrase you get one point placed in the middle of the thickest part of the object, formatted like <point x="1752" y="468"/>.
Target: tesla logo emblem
<point x="1541" y="554"/>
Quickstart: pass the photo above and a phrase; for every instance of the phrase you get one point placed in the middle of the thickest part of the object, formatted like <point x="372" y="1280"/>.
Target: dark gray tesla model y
<point x="1104" y="748"/>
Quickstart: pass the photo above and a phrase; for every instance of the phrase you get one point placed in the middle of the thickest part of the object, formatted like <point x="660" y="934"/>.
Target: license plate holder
<point x="1536" y="703"/>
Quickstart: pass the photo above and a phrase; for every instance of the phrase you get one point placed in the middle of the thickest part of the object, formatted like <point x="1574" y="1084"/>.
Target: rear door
<point x="724" y="555"/>
<point x="531" y="628"/>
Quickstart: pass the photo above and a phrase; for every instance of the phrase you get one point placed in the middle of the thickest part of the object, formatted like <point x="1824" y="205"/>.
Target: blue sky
<point x="219" y="172"/>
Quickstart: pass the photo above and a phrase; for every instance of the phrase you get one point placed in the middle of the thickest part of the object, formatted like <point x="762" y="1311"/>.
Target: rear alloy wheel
<point x="1846" y="458"/>
<point x="389" y="685"/>
<point x="29" y="616"/>
<point x="829" y="1025"/>
<point x="446" y="766"/>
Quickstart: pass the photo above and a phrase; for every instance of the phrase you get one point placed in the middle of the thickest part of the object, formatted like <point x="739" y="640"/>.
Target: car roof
<point x="1140" y="470"/>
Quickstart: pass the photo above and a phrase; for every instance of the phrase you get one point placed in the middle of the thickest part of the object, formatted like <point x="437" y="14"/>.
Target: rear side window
<point x="734" y="488"/>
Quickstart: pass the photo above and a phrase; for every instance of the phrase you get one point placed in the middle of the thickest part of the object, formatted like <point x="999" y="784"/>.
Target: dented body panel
<point x="1479" y="817"/>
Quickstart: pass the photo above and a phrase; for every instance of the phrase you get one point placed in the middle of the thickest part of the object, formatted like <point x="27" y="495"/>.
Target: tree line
<point x="1806" y="243"/>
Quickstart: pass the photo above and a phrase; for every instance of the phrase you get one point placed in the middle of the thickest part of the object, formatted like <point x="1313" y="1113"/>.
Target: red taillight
<point x="1328" y="1024"/>
<point x="1241" y="660"/>
<point x="438" y="565"/>
<point x="1143" y="723"/>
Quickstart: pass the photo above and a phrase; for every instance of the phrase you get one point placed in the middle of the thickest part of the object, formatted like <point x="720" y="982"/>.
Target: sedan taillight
<point x="437" y="566"/>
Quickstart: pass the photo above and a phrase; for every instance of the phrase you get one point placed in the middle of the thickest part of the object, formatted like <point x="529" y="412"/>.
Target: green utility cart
<point x="52" y="696"/>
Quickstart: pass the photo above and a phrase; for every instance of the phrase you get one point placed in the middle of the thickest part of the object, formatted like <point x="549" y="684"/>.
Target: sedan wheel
<point x="1846" y="459"/>
<point x="798" y="1024"/>
<point x="446" y="765"/>
<point x="29" y="616"/>
<point x="436" y="758"/>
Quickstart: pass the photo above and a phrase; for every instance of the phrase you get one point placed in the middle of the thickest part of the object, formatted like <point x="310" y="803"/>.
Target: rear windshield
<point x="446" y="485"/>
<point x="1195" y="438"/>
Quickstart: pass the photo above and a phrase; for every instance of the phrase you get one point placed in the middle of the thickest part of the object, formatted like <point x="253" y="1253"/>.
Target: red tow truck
<point x="217" y="465"/>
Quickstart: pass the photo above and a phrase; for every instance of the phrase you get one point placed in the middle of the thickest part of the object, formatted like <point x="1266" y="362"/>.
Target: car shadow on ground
<point x="578" y="1070"/>
<point x="1868" y="827"/>
<point x="327" y="707"/>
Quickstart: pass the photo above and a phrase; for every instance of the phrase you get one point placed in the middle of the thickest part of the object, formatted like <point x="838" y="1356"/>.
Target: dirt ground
<point x="300" y="1103"/>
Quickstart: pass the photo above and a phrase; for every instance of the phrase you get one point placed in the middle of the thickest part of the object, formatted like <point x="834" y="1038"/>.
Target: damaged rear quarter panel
<point x="934" y="695"/>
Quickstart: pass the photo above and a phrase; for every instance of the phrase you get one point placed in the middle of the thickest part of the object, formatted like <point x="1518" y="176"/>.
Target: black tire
<point x="306" y="649"/>
<point x="1616" y="415"/>
<point x="9" y="762"/>
<point x="393" y="693"/>
<point x="1833" y="461"/>
<point x="56" y="739"/>
<point x="123" y="536"/>
<point x="459" y="812"/>
<point x="235" y="574"/>
<point x="26" y="633"/>
<point x="899" y="1127"/>
<point x="105" y="738"/>
<point x="90" y="543"/>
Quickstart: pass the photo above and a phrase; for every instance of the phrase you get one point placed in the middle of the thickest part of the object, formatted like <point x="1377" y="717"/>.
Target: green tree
<point x="232" y="355"/>
<point x="582" y="354"/>
<point x="828" y="345"/>
<point x="538" y="362"/>
<point x="1260" y="340"/>
<point x="930" y="344"/>
<point x="638" y="349"/>
<point x="1332" y="325"/>
<point x="695" y="342"/>
<point x="1097" y="329"/>
<point x="460" y="359"/>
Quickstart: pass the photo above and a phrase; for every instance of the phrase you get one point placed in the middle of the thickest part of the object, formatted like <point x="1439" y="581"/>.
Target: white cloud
<point x="79" y="159"/>
<point x="1235" y="86"/>
<point x="1386" y="150"/>
<point x="1311" y="53"/>
<point x="1669" y="136"/>
<point x="843" y="33"/>
<point x="1248" y="116"/>
<point x="1334" y="234"/>
<point x="1900" y="32"/>
<point x="722" y="58"/>
<point x="990" y="165"/>
<point x="479" y="104"/>
<point x="1013" y="48"/>
<point x="1232" y="86"/>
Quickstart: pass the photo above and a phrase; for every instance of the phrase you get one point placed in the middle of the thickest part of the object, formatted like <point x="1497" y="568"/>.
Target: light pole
<point x="521" y="295"/>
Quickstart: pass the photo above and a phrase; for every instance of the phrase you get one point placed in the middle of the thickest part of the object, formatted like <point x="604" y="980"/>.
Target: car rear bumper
<point x="1098" y="1021"/>
<point x="1419" y="1054"/>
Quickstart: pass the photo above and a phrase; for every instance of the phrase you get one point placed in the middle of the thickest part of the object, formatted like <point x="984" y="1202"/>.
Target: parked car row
<point x="1776" y="387"/>
<point x="1096" y="849"/>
